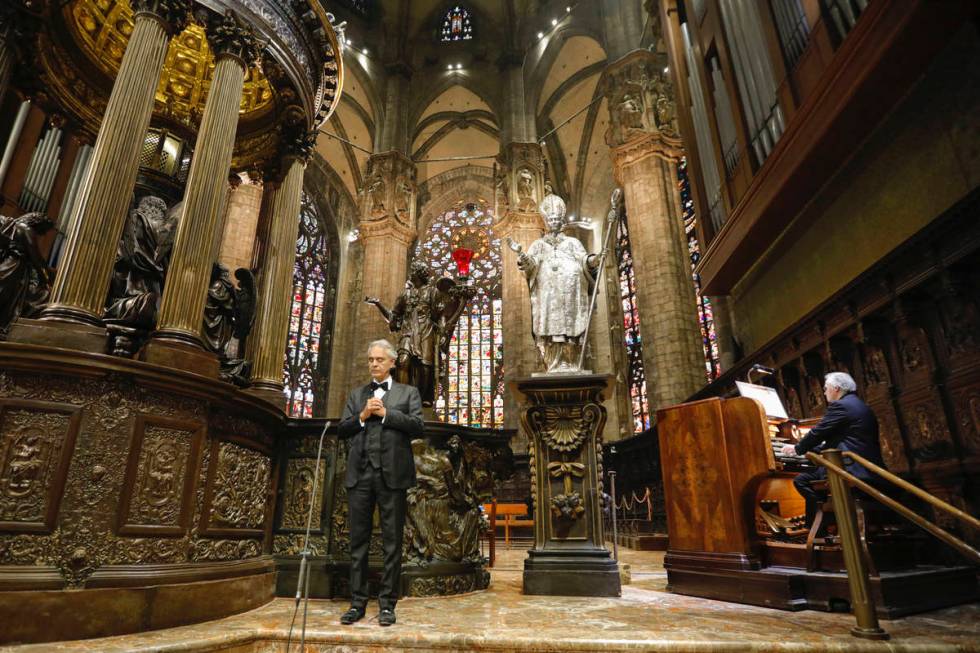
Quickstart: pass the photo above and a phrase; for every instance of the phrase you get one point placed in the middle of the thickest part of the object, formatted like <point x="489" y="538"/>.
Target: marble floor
<point x="645" y="618"/>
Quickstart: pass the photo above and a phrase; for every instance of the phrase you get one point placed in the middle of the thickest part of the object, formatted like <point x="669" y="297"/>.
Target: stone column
<point x="177" y="340"/>
<point x="79" y="291"/>
<point x="268" y="340"/>
<point x="520" y="188"/>
<point x="388" y="228"/>
<point x="645" y="152"/>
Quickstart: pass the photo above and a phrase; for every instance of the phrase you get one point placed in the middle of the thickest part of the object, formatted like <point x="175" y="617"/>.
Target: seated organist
<point x="849" y="425"/>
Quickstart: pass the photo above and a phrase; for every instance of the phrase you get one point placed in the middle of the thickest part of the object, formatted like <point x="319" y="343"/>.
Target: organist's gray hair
<point x="388" y="348"/>
<point x="841" y="380"/>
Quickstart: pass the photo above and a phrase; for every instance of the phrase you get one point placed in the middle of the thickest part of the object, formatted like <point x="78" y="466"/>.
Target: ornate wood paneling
<point x="237" y="494"/>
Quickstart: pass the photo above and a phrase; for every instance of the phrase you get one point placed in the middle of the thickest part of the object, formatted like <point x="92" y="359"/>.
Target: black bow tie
<point x="375" y="385"/>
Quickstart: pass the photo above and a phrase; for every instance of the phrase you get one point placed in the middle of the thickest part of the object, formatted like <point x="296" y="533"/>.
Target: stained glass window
<point x="311" y="316"/>
<point x="473" y="394"/>
<point x="457" y="25"/>
<point x="631" y="329"/>
<point x="706" y="318"/>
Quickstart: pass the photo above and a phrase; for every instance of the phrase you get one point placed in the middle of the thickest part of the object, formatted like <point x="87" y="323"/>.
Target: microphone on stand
<point x="303" y="579"/>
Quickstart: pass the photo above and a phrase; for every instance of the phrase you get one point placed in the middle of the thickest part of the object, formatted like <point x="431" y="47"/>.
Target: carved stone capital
<point x="385" y="228"/>
<point x="640" y="96"/>
<point x="172" y="14"/>
<point x="229" y="37"/>
<point x="513" y="222"/>
<point x="390" y="191"/>
<point x="298" y="144"/>
<point x="519" y="183"/>
<point x="643" y="146"/>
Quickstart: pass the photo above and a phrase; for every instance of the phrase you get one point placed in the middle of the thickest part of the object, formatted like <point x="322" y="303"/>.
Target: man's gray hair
<point x="841" y="380"/>
<point x="388" y="348"/>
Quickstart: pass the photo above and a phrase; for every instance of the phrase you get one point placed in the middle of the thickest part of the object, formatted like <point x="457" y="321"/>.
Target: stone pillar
<point x="520" y="188"/>
<point x="79" y="291"/>
<point x="177" y="340"/>
<point x="388" y="228"/>
<point x="268" y="340"/>
<point x="645" y="152"/>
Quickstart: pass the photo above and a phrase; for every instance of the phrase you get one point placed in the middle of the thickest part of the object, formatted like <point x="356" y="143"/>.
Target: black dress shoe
<point x="386" y="617"/>
<point x="352" y="615"/>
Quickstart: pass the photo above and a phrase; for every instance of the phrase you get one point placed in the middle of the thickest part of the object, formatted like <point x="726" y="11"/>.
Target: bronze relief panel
<point x="38" y="438"/>
<point x="237" y="491"/>
<point x="160" y="476"/>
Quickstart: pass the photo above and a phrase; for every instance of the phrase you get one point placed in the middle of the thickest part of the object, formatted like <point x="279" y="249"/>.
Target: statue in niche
<point x="403" y="199"/>
<point x="424" y="317"/>
<point x="666" y="116"/>
<point x="632" y="112"/>
<point x="559" y="274"/>
<point x="138" y="274"/>
<point x="25" y="279"/>
<point x="876" y="369"/>
<point x="230" y="313"/>
<point x="376" y="195"/>
<point x="525" y="190"/>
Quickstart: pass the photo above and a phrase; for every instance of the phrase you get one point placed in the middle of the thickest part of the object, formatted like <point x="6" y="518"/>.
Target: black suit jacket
<point x="403" y="421"/>
<point x="849" y="425"/>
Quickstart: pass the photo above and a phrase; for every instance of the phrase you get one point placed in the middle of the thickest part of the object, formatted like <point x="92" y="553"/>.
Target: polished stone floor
<point x="645" y="618"/>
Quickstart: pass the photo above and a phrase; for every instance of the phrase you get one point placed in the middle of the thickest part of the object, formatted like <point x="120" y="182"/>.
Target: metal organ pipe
<point x="8" y="152"/>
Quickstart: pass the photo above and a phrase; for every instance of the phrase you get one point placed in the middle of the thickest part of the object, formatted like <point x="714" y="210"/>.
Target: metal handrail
<point x="934" y="501"/>
<point x="844" y="507"/>
<point x="962" y="547"/>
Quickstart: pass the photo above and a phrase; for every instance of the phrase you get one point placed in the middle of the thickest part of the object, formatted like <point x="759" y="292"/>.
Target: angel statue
<point x="424" y="317"/>
<point x="229" y="315"/>
<point x="560" y="274"/>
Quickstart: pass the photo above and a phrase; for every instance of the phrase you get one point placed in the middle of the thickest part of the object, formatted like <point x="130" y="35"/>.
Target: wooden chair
<point x="510" y="513"/>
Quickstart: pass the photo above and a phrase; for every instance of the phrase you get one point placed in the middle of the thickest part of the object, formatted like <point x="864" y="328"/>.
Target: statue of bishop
<point x="559" y="275"/>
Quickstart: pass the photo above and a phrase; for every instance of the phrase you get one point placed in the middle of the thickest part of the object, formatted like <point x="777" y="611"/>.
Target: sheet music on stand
<point x="769" y="398"/>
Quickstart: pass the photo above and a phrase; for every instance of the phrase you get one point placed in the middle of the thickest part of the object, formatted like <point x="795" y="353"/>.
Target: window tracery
<point x="472" y="393"/>
<point x="706" y="320"/>
<point x="311" y="316"/>
<point x="639" y="401"/>
<point x="457" y="25"/>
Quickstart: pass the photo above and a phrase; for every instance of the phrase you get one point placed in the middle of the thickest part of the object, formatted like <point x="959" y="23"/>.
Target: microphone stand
<point x="303" y="580"/>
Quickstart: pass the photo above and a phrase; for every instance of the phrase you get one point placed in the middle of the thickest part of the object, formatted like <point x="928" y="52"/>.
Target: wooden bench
<point x="508" y="514"/>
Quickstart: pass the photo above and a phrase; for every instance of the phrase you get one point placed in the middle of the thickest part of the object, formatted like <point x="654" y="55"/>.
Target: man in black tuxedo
<point x="849" y="425"/>
<point x="382" y="417"/>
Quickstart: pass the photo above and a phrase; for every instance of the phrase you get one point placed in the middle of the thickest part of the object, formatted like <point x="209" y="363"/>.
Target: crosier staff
<point x="611" y="219"/>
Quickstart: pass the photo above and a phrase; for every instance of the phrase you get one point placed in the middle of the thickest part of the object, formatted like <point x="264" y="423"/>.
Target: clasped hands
<point x="373" y="406"/>
<point x="788" y="450"/>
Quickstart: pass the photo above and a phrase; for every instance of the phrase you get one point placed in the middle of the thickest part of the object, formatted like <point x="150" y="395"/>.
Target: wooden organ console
<point x="735" y="522"/>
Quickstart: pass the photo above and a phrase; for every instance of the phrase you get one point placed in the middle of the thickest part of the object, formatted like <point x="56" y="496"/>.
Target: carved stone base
<point x="64" y="335"/>
<point x="556" y="573"/>
<point x="179" y="356"/>
<point x="564" y="419"/>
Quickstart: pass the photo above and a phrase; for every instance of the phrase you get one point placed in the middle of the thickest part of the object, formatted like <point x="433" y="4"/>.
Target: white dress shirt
<point x="379" y="393"/>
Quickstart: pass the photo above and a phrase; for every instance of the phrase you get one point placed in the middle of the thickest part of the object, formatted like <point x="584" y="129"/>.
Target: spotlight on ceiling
<point x="666" y="69"/>
<point x="554" y="21"/>
<point x="449" y="67"/>
<point x="540" y="35"/>
<point x="568" y="10"/>
<point x="459" y="66"/>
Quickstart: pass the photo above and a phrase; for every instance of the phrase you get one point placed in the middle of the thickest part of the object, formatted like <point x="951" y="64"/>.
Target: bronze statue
<point x="25" y="279"/>
<point x="230" y="313"/>
<point x="138" y="274"/>
<point x="424" y="316"/>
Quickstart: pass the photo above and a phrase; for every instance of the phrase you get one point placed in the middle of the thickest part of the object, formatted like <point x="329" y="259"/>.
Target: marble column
<point x="387" y="230"/>
<point x="79" y="291"/>
<point x="177" y="341"/>
<point x="268" y="339"/>
<point x="645" y="150"/>
<point x="520" y="188"/>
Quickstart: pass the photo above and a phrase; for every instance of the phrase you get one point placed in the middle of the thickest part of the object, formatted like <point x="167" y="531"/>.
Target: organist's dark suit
<point x="380" y="468"/>
<point x="849" y="425"/>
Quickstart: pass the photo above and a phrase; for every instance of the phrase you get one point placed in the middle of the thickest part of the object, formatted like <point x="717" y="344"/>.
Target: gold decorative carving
<point x="563" y="428"/>
<point x="101" y="28"/>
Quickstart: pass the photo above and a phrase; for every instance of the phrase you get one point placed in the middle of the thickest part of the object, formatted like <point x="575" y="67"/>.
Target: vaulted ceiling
<point x="454" y="115"/>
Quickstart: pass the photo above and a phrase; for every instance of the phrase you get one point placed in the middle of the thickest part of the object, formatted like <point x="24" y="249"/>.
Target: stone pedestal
<point x="564" y="419"/>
